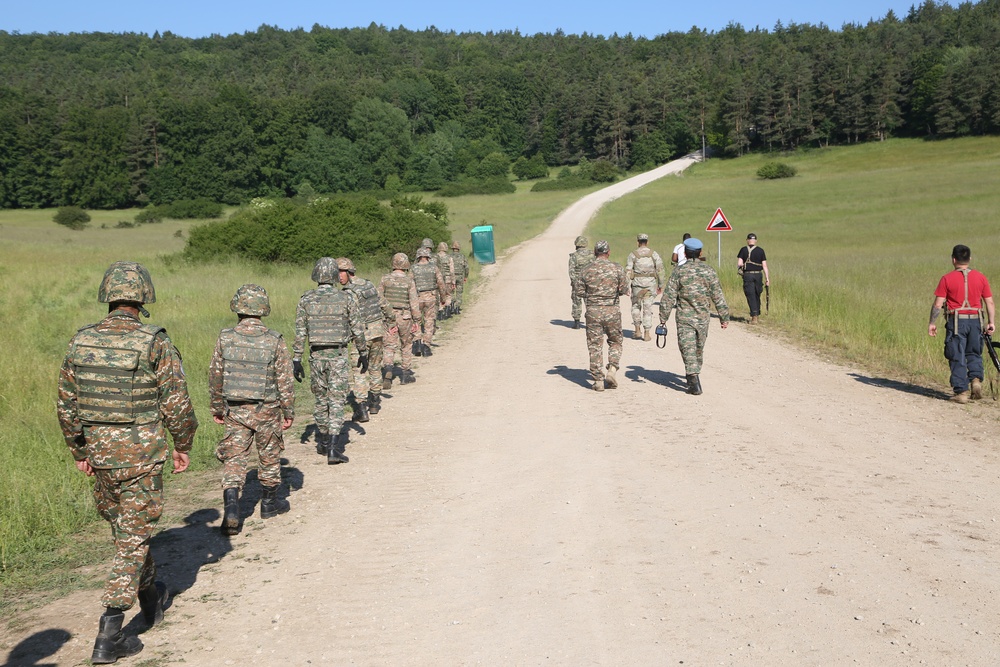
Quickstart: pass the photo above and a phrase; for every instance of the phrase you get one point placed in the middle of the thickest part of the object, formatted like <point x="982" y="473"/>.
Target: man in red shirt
<point x="964" y="290"/>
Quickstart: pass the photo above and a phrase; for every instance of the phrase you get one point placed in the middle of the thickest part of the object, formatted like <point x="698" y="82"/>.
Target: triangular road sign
<point x="719" y="223"/>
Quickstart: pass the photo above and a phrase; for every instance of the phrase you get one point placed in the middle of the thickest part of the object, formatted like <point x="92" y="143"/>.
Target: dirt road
<point x="499" y="513"/>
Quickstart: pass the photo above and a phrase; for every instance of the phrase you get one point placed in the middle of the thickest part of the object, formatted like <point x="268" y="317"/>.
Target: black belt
<point x="422" y="291"/>
<point x="316" y="348"/>
<point x="243" y="402"/>
<point x="746" y="272"/>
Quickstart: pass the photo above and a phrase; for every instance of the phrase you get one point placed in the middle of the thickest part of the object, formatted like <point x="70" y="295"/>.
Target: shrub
<point x="193" y="209"/>
<point x="567" y="183"/>
<point x="148" y="215"/>
<point x="125" y="224"/>
<point x="490" y="186"/>
<point x="602" y="171"/>
<point x="492" y="166"/>
<point x="73" y="217"/>
<point x="534" y="168"/>
<point x="771" y="170"/>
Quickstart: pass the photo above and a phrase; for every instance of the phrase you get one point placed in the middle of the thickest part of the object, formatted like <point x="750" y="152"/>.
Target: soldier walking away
<point x="578" y="261"/>
<point x="399" y="290"/>
<point x="329" y="318"/>
<point x="677" y="257"/>
<point x="121" y="388"/>
<point x="375" y="310"/>
<point x="251" y="392"/>
<point x="430" y="292"/>
<point x="461" y="275"/>
<point x="447" y="267"/>
<point x="963" y="292"/>
<point x="644" y="269"/>
<point x="692" y="289"/>
<point x="751" y="263"/>
<point x="600" y="285"/>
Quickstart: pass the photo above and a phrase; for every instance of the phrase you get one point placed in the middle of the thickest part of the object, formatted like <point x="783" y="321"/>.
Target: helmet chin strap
<point x="142" y="309"/>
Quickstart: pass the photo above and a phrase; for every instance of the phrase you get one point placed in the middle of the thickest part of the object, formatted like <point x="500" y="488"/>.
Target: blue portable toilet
<point x="482" y="244"/>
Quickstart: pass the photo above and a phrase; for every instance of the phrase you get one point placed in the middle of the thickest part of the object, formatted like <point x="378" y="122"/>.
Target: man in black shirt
<point x="751" y="262"/>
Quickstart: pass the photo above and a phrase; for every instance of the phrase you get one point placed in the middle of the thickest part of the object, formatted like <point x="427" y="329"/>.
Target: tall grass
<point x="856" y="242"/>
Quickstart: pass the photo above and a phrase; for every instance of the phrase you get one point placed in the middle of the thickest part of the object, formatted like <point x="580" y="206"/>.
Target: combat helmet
<point x="455" y="246"/>
<point x="424" y="251"/>
<point x="344" y="264"/>
<point x="400" y="261"/>
<point x="126" y="281"/>
<point x="427" y="243"/>
<point x="582" y="242"/>
<point x="251" y="300"/>
<point x="442" y="247"/>
<point x="325" y="271"/>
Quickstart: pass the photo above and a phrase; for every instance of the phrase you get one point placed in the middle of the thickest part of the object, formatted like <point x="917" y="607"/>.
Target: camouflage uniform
<point x="461" y="274"/>
<point x="430" y="291"/>
<point x="600" y="285"/>
<point x="693" y="287"/>
<point x="399" y="290"/>
<point x="375" y="311"/>
<point x="121" y="388"/>
<point x="447" y="267"/>
<point x="578" y="261"/>
<point x="644" y="269"/>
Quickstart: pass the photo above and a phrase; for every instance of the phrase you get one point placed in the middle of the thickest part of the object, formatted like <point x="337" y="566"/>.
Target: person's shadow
<point x="663" y="378"/>
<point x="905" y="387"/>
<point x="578" y="376"/>
<point x="31" y="650"/>
<point x="564" y="323"/>
<point x="311" y="431"/>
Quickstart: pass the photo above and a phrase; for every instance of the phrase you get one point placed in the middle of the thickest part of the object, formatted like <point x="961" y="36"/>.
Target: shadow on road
<point x="31" y="650"/>
<point x="662" y="378"/>
<point x="575" y="375"/>
<point x="905" y="387"/>
<point x="564" y="323"/>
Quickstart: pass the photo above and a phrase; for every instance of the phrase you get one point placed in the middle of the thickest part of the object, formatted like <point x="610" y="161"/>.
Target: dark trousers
<point x="964" y="351"/>
<point x="753" y="285"/>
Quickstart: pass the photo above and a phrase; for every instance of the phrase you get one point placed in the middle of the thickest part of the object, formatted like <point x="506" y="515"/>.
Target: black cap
<point x="751" y="235"/>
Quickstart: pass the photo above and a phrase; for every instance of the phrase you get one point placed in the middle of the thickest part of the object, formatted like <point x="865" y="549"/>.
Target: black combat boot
<point x="360" y="415"/>
<point x="418" y="348"/>
<point x="386" y="377"/>
<point x="694" y="385"/>
<point x="427" y="350"/>
<point x="271" y="504"/>
<point x="408" y="377"/>
<point x="322" y="442"/>
<point x="111" y="642"/>
<point x="231" y="509"/>
<point x="335" y="454"/>
<point x="153" y="599"/>
<point x="374" y="402"/>
<point x="576" y="323"/>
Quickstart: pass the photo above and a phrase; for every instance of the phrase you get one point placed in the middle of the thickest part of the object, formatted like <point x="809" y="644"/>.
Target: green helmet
<point x="344" y="264"/>
<point x="126" y="281"/>
<point x="427" y="243"/>
<point x="251" y="300"/>
<point x="325" y="271"/>
<point x="424" y="251"/>
<point x="582" y="242"/>
<point x="400" y="261"/>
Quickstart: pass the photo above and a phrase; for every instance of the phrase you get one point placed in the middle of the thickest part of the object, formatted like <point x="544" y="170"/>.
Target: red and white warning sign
<point x="719" y="222"/>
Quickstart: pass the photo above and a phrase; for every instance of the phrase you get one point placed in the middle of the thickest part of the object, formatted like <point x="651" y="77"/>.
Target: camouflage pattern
<point x="600" y="285"/>
<point x="313" y="321"/>
<point x="325" y="272"/>
<point x="251" y="300"/>
<point x="461" y="274"/>
<point x="692" y="289"/>
<point x="257" y="423"/>
<point x="400" y="291"/>
<point x="401" y="261"/>
<point x="376" y="311"/>
<point x="362" y="383"/>
<point x="447" y="267"/>
<point x="126" y="281"/>
<point x="431" y="296"/>
<point x="345" y="264"/>
<point x="644" y="269"/>
<point x="578" y="261"/>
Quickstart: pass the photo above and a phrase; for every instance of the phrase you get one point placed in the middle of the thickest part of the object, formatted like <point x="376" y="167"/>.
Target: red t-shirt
<point x="952" y="287"/>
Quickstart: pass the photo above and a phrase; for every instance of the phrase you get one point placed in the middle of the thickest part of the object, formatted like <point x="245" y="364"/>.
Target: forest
<point x="107" y="121"/>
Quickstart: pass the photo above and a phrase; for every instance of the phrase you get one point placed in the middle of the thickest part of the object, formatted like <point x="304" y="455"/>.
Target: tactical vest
<point x="446" y="267"/>
<point x="643" y="266"/>
<point x="397" y="292"/>
<point x="425" y="276"/>
<point x="367" y="296"/>
<point x="582" y="259"/>
<point x="327" y="321"/>
<point x="248" y="372"/>
<point x="115" y="382"/>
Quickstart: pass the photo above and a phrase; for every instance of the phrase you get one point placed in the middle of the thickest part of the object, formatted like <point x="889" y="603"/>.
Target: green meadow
<point x="856" y="242"/>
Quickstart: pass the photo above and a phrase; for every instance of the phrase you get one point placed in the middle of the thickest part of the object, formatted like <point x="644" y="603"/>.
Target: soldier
<point x="461" y="275"/>
<point x="693" y="287"/>
<point x="447" y="267"/>
<point x="578" y="260"/>
<point x="677" y="256"/>
<point x="400" y="291"/>
<point x="251" y="393"/>
<point x="121" y="388"/>
<point x="751" y="263"/>
<point x="430" y="293"/>
<point x="600" y="285"/>
<point x="644" y="269"/>
<point x="375" y="311"/>
<point x="329" y="318"/>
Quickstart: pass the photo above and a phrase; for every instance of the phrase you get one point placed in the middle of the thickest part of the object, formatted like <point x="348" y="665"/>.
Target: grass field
<point x="856" y="242"/>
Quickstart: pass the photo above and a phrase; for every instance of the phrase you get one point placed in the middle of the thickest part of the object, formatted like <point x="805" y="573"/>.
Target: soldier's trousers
<point x="604" y="321"/>
<point x="247" y="425"/>
<point x="428" y="314"/>
<point x="402" y="340"/>
<point x="753" y="285"/>
<point x="362" y="383"/>
<point x="131" y="500"/>
<point x="459" y="290"/>
<point x="691" y="337"/>
<point x="642" y="306"/>
<point x="329" y="383"/>
<point x="577" y="305"/>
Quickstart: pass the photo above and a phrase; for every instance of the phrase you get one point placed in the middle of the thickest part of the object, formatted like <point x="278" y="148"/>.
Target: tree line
<point x="117" y="120"/>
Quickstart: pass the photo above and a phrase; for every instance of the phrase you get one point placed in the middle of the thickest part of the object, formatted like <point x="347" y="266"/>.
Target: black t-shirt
<point x="756" y="258"/>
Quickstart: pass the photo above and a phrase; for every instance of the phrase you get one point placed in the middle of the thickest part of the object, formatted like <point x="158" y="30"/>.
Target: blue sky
<point x="640" y="17"/>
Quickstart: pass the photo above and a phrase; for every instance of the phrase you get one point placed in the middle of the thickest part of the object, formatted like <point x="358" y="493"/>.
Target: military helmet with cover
<point x="424" y="252"/>
<point x="455" y="246"/>
<point x="126" y="281"/>
<point x="345" y="264"/>
<point x="443" y="246"/>
<point x="251" y="300"/>
<point x="325" y="271"/>
<point x="400" y="261"/>
<point x="602" y="248"/>
<point x="427" y="243"/>
<point x="581" y="242"/>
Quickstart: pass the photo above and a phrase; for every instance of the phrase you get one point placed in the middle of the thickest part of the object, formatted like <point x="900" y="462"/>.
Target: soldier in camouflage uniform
<point x="430" y="290"/>
<point x="600" y="285"/>
<point x="375" y="311"/>
<point x="447" y="266"/>
<point x="578" y="261"/>
<point x="251" y="393"/>
<point x="330" y="319"/>
<point x="693" y="288"/>
<point x="398" y="288"/>
<point x="644" y="269"/>
<point x="461" y="275"/>
<point x="121" y="388"/>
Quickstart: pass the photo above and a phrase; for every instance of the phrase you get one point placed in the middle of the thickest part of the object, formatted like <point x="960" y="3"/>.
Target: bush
<point x="567" y="183"/>
<point x="124" y="224"/>
<point x="602" y="171"/>
<point x="494" y="165"/>
<point x="149" y="215"/>
<point x="193" y="209"/>
<point x="73" y="217"/>
<point x="534" y="168"/>
<point x="771" y="170"/>
<point x="490" y="186"/>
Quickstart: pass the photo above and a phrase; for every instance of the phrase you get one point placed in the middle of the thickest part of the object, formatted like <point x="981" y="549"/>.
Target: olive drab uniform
<point x="374" y="312"/>
<point x="121" y="388"/>
<point x="400" y="292"/>
<point x="430" y="294"/>
<point x="692" y="289"/>
<point x="461" y="276"/>
<point x="644" y="269"/>
<point x="250" y="387"/>
<point x="578" y="261"/>
<point x="447" y="267"/>
<point x="600" y="286"/>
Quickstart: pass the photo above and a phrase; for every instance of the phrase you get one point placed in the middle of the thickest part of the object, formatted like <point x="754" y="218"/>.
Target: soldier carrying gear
<point x="644" y="269"/>
<point x="601" y="284"/>
<point x="447" y="267"/>
<point x="251" y="392"/>
<point x="121" y="389"/>
<point x="461" y="275"/>
<point x="374" y="310"/>
<point x="431" y="290"/>
<point x="577" y="262"/>
<point x="330" y="319"/>
<point x="399" y="290"/>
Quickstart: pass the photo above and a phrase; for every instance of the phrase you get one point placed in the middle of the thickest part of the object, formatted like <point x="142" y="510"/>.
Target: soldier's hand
<point x="394" y="330"/>
<point x="286" y="423"/>
<point x="363" y="363"/>
<point x="218" y="419"/>
<point x="415" y="328"/>
<point x="725" y="325"/>
<point x="84" y="467"/>
<point x="181" y="462"/>
<point x="932" y="329"/>
<point x="297" y="371"/>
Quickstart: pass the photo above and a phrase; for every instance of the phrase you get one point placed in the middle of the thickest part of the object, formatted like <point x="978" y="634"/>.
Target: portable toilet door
<point x="482" y="244"/>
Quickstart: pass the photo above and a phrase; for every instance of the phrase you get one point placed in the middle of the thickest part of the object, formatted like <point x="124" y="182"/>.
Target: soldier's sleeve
<point x="660" y="271"/>
<point x="574" y="275"/>
<point x="384" y="306"/>
<point x="630" y="266"/>
<point x="414" y="300"/>
<point x="719" y="298"/>
<point x="69" y="420"/>
<point x="217" y="402"/>
<point x="580" y="285"/>
<point x="669" y="297"/>
<point x="623" y="282"/>
<point x="451" y="262"/>
<point x="299" y="344"/>
<point x="357" y="326"/>
<point x="439" y="277"/>
<point x="175" y="404"/>
<point x="283" y="376"/>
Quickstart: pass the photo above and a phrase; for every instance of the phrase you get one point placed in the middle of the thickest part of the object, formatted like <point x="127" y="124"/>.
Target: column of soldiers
<point x="122" y="388"/>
